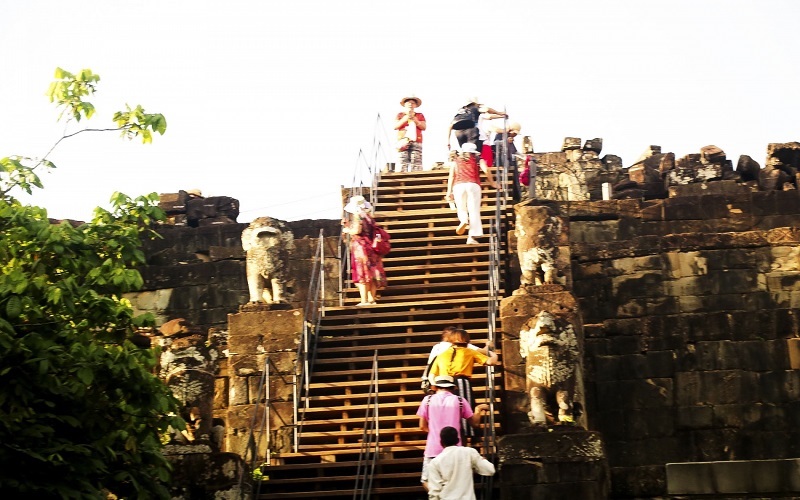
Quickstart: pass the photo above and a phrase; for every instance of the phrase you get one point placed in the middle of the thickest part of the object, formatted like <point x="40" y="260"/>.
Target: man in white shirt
<point x="450" y="473"/>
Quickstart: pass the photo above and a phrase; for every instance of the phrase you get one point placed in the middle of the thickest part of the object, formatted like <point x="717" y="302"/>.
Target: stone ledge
<point x="741" y="476"/>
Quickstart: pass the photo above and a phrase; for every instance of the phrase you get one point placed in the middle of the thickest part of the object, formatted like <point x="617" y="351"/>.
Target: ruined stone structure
<point x="200" y="274"/>
<point x="681" y="296"/>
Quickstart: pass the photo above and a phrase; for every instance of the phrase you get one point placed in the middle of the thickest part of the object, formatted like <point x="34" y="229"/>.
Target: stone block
<point x="571" y="143"/>
<point x="208" y="475"/>
<point x="221" y="393"/>
<point x="225" y="253"/>
<point x="637" y="285"/>
<point x="644" y="423"/>
<point x="267" y="323"/>
<point x="173" y="203"/>
<point x="716" y="387"/>
<point x="644" y="481"/>
<point x="734" y="477"/>
<point x="779" y="386"/>
<point x="563" y="444"/>
<point x="793" y="347"/>
<point x="694" y="417"/>
<point x="239" y="390"/>
<point x="655" y="450"/>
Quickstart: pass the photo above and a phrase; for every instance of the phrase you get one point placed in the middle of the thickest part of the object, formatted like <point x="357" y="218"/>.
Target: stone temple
<point x="647" y="319"/>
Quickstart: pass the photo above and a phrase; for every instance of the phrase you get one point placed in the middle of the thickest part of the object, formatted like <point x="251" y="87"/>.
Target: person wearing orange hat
<point x="409" y="125"/>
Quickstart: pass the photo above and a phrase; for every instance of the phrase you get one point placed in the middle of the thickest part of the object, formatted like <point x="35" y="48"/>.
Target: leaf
<point x="14" y="307"/>
<point x="86" y="375"/>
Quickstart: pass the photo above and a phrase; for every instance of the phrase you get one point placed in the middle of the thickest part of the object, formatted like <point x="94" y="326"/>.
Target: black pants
<point x="468" y="135"/>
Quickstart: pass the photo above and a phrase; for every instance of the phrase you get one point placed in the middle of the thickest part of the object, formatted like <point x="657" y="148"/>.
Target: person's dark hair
<point x="447" y="332"/>
<point x="459" y="337"/>
<point x="449" y="436"/>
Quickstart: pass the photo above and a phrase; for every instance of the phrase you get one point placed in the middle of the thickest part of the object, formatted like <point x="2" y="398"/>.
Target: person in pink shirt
<point x="443" y="409"/>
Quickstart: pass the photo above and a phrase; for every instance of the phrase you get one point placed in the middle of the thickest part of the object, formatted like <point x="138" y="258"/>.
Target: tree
<point x="81" y="412"/>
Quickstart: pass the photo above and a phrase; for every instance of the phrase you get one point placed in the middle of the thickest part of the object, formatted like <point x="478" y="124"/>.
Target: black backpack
<point x="467" y="117"/>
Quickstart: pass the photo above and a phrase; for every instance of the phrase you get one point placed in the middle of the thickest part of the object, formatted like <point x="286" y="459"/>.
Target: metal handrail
<point x="495" y="265"/>
<point x="368" y="457"/>
<point x="489" y="437"/>
<point x="306" y="349"/>
<point x="252" y="447"/>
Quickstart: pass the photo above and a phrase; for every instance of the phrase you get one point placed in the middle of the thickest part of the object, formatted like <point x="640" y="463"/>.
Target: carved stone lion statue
<point x="549" y="346"/>
<point x="538" y="232"/>
<point x="268" y="243"/>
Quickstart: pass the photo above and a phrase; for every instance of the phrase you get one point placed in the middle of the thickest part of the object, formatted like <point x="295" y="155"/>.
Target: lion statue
<point x="549" y="346"/>
<point x="268" y="243"/>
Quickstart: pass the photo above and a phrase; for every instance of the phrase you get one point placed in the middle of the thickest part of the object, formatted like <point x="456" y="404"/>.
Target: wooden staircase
<point x="434" y="280"/>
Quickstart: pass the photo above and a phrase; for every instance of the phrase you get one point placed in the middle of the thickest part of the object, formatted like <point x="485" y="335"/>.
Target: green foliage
<point x="80" y="404"/>
<point x="135" y="122"/>
<point x="81" y="412"/>
<point x="69" y="90"/>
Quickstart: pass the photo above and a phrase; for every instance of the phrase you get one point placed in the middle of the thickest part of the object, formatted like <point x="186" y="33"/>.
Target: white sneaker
<point x="472" y="241"/>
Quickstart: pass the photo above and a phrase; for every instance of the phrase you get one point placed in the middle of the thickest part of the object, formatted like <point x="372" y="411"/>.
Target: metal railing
<point x="306" y="349"/>
<point x="496" y="265"/>
<point x="368" y="457"/>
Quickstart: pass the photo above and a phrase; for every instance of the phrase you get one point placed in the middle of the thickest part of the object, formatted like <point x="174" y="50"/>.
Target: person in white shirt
<point x="450" y="473"/>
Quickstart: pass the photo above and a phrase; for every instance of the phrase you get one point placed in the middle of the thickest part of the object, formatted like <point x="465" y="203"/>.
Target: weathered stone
<point x="173" y="203"/>
<point x="224" y="253"/>
<point x="212" y="207"/>
<point x="771" y="178"/>
<point x="712" y="154"/>
<point x="666" y="163"/>
<point x="571" y="143"/>
<point x="651" y="151"/>
<point x="595" y="145"/>
<point x="267" y="323"/>
<point x="222" y="476"/>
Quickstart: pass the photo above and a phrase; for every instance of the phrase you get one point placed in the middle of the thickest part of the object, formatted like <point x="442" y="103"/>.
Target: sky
<point x="280" y="104"/>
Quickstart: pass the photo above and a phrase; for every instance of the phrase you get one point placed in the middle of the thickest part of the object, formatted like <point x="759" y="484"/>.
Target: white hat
<point x="444" y="381"/>
<point x="473" y="100"/>
<point x="357" y="204"/>
<point x="468" y="147"/>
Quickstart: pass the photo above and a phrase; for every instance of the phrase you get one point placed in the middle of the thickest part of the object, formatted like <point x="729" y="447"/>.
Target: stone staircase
<point x="435" y="280"/>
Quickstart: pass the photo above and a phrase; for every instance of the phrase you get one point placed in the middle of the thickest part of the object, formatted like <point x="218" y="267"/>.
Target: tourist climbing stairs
<point x="435" y="279"/>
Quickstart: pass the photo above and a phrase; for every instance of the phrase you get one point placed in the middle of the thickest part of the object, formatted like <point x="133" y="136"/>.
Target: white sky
<point x="270" y="102"/>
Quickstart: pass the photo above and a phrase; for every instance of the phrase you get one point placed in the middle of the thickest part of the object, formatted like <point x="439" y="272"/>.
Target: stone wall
<point x="690" y="304"/>
<point x="198" y="273"/>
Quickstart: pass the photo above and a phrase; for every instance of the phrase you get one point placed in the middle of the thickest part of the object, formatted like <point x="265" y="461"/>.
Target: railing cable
<point x="368" y="456"/>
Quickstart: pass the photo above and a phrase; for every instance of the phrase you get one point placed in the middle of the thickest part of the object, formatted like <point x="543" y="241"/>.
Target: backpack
<point x="465" y="118"/>
<point x="383" y="245"/>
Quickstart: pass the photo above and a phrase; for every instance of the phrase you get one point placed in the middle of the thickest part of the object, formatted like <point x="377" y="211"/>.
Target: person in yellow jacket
<point x="458" y="362"/>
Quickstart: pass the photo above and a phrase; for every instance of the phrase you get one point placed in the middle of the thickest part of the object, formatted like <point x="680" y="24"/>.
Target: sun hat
<point x="468" y="147"/>
<point x="194" y="192"/>
<point x="357" y="204"/>
<point x="514" y="126"/>
<point x="444" y="381"/>
<point x="412" y="97"/>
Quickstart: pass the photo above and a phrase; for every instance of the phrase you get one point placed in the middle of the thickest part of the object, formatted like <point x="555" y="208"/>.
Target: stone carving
<point x="268" y="243"/>
<point x="549" y="346"/>
<point x="188" y="365"/>
<point x="538" y="232"/>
